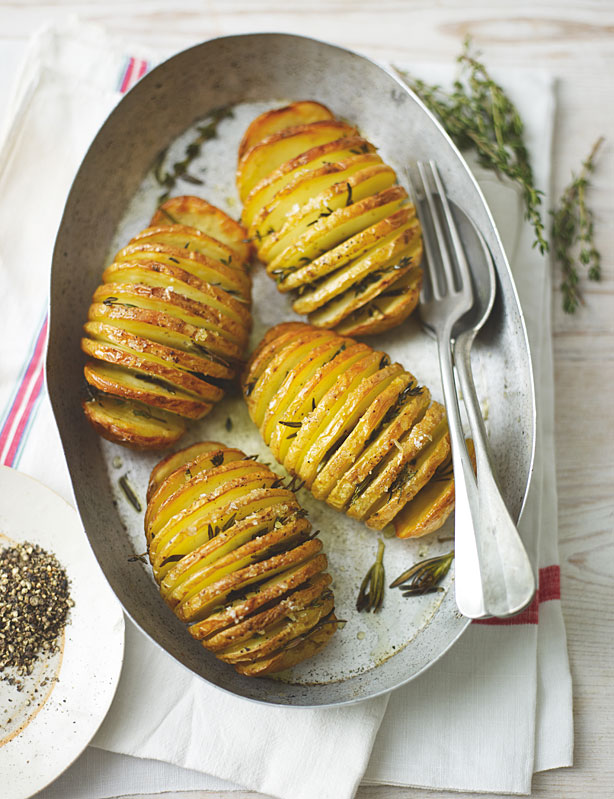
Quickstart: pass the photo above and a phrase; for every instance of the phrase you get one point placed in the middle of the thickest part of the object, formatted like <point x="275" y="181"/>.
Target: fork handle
<point x="468" y="573"/>
<point x="507" y="575"/>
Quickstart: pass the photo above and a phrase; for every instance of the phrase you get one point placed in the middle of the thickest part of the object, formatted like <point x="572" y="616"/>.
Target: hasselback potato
<point x="329" y="220"/>
<point x="235" y="558"/>
<point x="358" y="429"/>
<point x="168" y="326"/>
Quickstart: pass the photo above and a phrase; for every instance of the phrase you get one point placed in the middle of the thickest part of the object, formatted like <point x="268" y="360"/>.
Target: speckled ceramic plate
<point x="48" y="720"/>
<point x="113" y="197"/>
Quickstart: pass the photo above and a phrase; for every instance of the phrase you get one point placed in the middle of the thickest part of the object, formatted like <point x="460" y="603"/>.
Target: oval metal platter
<point x="113" y="197"/>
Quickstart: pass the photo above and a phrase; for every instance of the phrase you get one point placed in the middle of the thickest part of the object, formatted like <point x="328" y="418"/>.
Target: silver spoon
<point x="510" y="582"/>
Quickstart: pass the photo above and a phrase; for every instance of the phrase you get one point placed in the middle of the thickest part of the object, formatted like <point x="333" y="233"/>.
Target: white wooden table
<point x="574" y="41"/>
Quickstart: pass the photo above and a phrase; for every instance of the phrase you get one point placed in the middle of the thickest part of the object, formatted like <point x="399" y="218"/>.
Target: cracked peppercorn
<point x="34" y="605"/>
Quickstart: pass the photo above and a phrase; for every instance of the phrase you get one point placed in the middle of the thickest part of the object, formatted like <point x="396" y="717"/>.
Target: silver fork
<point x="493" y="572"/>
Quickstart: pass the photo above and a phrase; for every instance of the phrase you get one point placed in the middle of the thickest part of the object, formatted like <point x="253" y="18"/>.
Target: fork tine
<point x="459" y="251"/>
<point x="426" y="242"/>
<point x="439" y="233"/>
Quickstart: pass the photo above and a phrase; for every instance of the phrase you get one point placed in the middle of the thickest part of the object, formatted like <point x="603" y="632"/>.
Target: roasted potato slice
<point x="235" y="282"/>
<point x="175" y="480"/>
<point x="278" y="148"/>
<point x="121" y="382"/>
<point x="170" y="323"/>
<point x="133" y="423"/>
<point x="297" y="276"/>
<point x="237" y="562"/>
<point x="391" y="307"/>
<point x="336" y="150"/>
<point x="300" y="113"/>
<point x="301" y="648"/>
<point x="171" y="303"/>
<point x="399" y="466"/>
<point x="252" y="546"/>
<point x="329" y="231"/>
<point x="181" y="237"/>
<point x="168" y="330"/>
<point x="259" y="621"/>
<point x="197" y="365"/>
<point x="150" y="368"/>
<point x="317" y="194"/>
<point x="173" y="279"/>
<point x="360" y="281"/>
<point x="182" y="507"/>
<point x="318" y="223"/>
<point x="174" y="462"/>
<point x="265" y="593"/>
<point x="325" y="412"/>
<point x="195" y="212"/>
<point x="430" y="508"/>
<point x="360" y="431"/>
<point x="272" y="638"/>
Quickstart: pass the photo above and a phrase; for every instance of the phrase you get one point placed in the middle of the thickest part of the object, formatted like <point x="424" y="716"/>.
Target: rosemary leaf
<point x="424" y="576"/>
<point x="371" y="593"/>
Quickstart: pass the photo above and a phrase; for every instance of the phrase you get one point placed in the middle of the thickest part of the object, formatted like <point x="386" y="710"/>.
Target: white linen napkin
<point x="495" y="709"/>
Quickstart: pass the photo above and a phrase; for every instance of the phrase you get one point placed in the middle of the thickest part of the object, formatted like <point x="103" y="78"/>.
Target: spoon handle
<point x="507" y="574"/>
<point x="468" y="572"/>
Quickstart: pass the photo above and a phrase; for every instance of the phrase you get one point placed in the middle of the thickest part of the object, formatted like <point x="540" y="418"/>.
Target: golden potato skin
<point x="235" y="558"/>
<point x="329" y="221"/>
<point x="168" y="326"/>
<point x="359" y="430"/>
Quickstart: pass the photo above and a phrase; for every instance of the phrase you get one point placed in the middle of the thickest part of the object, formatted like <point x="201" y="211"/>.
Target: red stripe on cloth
<point x="549" y="588"/>
<point x="142" y="70"/>
<point x="23" y="421"/>
<point x="127" y="81"/>
<point x="23" y="402"/>
<point x="549" y="583"/>
<point x="134" y="72"/>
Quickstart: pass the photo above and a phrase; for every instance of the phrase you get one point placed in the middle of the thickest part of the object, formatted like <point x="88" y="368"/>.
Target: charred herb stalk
<point x="572" y="235"/>
<point x="130" y="493"/>
<point x="423" y="577"/>
<point x="371" y="593"/>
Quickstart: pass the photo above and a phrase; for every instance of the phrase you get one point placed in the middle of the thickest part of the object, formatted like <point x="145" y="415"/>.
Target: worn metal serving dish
<point x="254" y="68"/>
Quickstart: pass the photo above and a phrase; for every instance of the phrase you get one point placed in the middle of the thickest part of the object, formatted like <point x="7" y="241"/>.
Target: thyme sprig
<point x="572" y="235"/>
<point x="371" y="593"/>
<point x="423" y="577"/>
<point x="479" y="116"/>
<point x="167" y="177"/>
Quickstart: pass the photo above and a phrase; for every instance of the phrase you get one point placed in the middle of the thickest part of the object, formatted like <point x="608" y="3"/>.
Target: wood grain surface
<point x="575" y="42"/>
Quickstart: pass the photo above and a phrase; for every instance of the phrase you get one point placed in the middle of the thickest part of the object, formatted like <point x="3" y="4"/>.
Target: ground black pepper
<point x="34" y="605"/>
